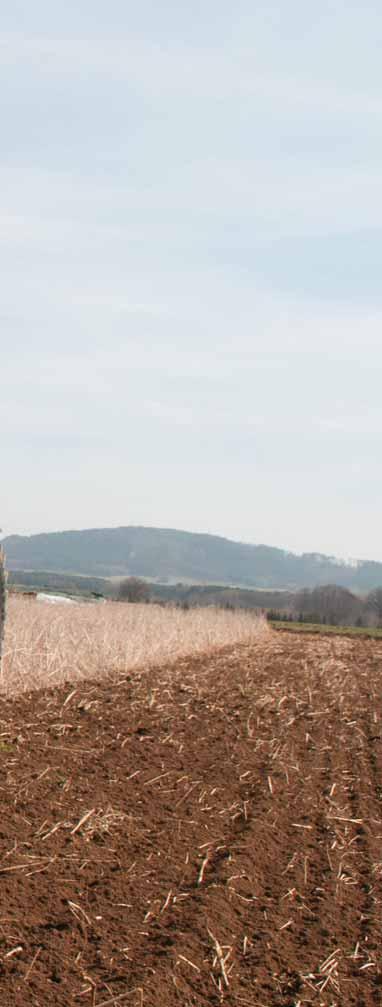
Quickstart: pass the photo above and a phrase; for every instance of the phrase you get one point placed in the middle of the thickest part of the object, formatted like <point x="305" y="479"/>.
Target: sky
<point x="190" y="261"/>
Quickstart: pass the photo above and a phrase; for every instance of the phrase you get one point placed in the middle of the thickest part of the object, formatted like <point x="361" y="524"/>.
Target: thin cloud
<point x="190" y="221"/>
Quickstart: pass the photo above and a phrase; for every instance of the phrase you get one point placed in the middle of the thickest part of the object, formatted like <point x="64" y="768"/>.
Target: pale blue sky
<point x="190" y="253"/>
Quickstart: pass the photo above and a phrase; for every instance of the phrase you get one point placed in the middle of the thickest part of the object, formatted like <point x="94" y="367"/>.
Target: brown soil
<point x="231" y="843"/>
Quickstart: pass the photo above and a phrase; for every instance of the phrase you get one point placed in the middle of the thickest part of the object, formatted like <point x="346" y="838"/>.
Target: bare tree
<point x="134" y="590"/>
<point x="374" y="604"/>
<point x="329" y="603"/>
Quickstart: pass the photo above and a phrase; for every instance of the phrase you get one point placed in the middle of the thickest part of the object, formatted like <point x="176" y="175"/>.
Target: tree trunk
<point x="3" y="599"/>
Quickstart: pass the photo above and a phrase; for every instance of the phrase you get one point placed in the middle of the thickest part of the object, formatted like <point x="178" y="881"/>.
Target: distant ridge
<point x="168" y="555"/>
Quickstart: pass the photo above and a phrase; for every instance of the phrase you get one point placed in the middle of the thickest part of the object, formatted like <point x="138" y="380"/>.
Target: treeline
<point x="59" y="583"/>
<point x="328" y="605"/>
<point x="332" y="606"/>
<point x="224" y="597"/>
<point x="178" y="594"/>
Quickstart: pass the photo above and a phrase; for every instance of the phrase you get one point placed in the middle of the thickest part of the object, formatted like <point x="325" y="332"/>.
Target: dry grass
<point x="46" y="645"/>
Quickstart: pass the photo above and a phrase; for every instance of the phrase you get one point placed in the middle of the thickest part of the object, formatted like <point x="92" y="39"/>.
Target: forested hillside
<point x="168" y="555"/>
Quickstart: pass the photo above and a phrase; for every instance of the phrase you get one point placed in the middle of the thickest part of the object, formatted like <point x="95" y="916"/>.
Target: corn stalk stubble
<point x="46" y="645"/>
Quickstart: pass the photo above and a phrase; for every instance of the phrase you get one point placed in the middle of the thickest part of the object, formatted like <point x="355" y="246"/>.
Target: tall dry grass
<point x="45" y="644"/>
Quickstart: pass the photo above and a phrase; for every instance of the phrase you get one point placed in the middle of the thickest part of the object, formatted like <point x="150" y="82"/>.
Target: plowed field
<point x="206" y="833"/>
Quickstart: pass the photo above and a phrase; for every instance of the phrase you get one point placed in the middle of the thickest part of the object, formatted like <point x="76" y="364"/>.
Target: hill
<point x="167" y="555"/>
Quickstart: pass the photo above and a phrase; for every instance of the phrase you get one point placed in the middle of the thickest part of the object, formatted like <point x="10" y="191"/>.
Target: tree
<point x="3" y="598"/>
<point x="134" y="590"/>
<point x="374" y="603"/>
<point x="330" y="604"/>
